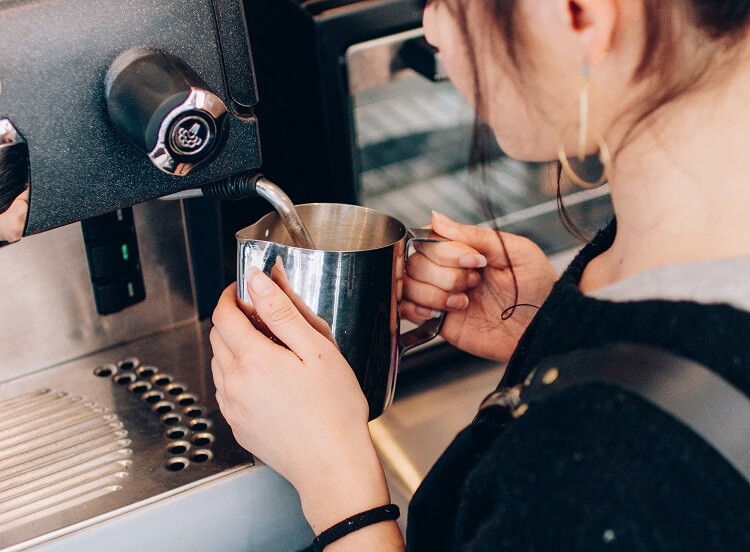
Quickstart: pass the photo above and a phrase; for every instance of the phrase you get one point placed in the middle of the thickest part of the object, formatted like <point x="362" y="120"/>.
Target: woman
<point x="658" y="90"/>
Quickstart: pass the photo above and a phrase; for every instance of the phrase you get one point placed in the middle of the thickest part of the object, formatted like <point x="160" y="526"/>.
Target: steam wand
<point x="256" y="185"/>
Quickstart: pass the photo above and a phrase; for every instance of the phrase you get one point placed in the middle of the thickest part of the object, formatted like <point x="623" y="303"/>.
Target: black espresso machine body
<point x="56" y="69"/>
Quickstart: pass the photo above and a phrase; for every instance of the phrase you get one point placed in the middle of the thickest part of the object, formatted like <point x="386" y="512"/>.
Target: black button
<point x="108" y="297"/>
<point x="104" y="260"/>
<point x="107" y="225"/>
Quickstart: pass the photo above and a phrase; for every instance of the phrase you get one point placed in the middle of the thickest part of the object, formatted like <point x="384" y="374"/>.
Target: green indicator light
<point x="125" y="251"/>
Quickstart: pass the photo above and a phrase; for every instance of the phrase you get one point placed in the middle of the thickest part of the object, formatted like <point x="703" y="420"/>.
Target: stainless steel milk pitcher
<point x="352" y="284"/>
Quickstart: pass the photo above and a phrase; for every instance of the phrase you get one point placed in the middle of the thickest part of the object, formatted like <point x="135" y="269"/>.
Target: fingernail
<point x="259" y="283"/>
<point x="427" y="313"/>
<point x="472" y="261"/>
<point x="457" y="301"/>
<point x="440" y="217"/>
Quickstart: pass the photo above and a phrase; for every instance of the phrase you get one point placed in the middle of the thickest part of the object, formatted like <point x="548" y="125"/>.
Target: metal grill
<point x="414" y="139"/>
<point x="414" y="147"/>
<point x="88" y="440"/>
<point x="57" y="452"/>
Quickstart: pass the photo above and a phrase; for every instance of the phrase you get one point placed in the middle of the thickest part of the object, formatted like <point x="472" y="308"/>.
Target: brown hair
<point x="723" y="22"/>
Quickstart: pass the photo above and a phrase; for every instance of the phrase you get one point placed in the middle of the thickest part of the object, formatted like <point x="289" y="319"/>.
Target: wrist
<point x="363" y="521"/>
<point x="343" y="486"/>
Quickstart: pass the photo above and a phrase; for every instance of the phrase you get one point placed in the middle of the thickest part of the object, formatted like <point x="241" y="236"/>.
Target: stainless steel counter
<point x="433" y="403"/>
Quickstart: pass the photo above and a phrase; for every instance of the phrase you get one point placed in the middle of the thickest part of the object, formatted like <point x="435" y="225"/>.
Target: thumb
<point x="282" y="317"/>
<point x="486" y="241"/>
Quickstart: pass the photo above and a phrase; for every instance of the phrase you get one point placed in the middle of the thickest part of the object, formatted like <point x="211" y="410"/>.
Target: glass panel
<point x="414" y="137"/>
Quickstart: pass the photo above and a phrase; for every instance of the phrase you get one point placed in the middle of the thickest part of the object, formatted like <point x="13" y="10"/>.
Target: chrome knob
<point x="165" y="109"/>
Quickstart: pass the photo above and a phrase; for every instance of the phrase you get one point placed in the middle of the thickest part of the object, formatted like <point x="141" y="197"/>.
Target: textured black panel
<point x="53" y="59"/>
<point x="232" y="33"/>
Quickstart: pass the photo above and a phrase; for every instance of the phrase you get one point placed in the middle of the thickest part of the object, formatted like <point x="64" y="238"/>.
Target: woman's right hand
<point x="469" y="277"/>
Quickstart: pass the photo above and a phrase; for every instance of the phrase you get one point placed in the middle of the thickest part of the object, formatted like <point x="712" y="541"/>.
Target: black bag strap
<point x="687" y="390"/>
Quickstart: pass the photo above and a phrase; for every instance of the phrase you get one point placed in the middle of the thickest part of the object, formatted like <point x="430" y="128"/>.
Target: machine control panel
<point x="114" y="262"/>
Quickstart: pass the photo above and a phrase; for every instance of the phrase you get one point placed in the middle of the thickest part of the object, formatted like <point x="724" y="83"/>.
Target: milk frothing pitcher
<point x="349" y="287"/>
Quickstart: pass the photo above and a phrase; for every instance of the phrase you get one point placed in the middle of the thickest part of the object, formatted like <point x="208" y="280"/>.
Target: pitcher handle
<point x="429" y="329"/>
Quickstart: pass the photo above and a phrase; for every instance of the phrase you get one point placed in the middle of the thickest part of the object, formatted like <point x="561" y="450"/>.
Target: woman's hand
<point x="299" y="409"/>
<point x="469" y="277"/>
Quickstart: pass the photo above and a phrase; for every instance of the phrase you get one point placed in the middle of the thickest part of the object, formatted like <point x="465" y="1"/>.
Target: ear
<point x="594" y="22"/>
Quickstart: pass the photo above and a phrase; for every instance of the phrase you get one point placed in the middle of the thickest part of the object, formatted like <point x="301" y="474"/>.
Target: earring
<point x="583" y="130"/>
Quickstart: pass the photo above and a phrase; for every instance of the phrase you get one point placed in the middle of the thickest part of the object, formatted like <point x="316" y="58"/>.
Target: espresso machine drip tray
<point x="108" y="434"/>
<point x="57" y="452"/>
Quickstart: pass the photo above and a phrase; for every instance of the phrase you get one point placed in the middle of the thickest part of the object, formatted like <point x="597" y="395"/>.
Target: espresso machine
<point x="110" y="436"/>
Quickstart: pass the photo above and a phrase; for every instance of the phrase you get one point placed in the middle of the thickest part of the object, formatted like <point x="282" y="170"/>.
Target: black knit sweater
<point x="594" y="467"/>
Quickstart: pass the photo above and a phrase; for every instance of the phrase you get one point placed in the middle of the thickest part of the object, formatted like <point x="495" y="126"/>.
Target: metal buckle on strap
<point x="507" y="397"/>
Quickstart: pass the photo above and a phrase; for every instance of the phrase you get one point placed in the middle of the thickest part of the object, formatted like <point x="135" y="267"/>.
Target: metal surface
<point x="108" y="435"/>
<point x="246" y="510"/>
<point x="349" y="288"/>
<point x="375" y="63"/>
<point x="286" y="210"/>
<point x="8" y="133"/>
<point x="47" y="310"/>
<point x="58" y="452"/>
<point x="432" y="404"/>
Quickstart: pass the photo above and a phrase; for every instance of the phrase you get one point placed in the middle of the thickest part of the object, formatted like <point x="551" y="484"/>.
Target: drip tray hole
<point x="201" y="455"/>
<point x="161" y="379"/>
<point x="186" y="399"/>
<point x="200" y="424"/>
<point x="177" y="464"/>
<point x="105" y="370"/>
<point x="124" y="379"/>
<point x="178" y="447"/>
<point x="171" y="419"/>
<point x="146" y="371"/>
<point x="175" y="389"/>
<point x="163" y="407"/>
<point x="129" y="364"/>
<point x="202" y="439"/>
<point x="194" y="412"/>
<point x="139" y="387"/>
<point x="153" y="396"/>
<point x="176" y="432"/>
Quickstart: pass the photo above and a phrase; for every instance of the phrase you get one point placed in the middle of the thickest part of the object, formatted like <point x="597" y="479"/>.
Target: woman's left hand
<point x="299" y="409"/>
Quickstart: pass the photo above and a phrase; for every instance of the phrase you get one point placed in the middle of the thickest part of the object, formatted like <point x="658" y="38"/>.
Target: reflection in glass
<point x="14" y="183"/>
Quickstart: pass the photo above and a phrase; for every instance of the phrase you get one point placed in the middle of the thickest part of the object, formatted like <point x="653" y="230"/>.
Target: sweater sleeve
<point x="596" y="468"/>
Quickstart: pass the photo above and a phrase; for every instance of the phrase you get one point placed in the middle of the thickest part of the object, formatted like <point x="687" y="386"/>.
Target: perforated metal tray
<point x="110" y="433"/>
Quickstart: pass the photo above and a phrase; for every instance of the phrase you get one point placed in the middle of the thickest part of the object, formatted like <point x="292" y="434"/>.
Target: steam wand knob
<point x="165" y="109"/>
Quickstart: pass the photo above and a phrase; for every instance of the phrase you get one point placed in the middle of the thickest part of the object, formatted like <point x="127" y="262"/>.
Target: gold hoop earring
<point x="605" y="157"/>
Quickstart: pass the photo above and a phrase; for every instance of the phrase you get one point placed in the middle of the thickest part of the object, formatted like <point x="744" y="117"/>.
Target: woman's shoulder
<point x="698" y="312"/>
<point x="595" y="465"/>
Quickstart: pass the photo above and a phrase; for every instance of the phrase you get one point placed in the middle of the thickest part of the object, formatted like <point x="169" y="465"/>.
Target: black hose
<point x="233" y="188"/>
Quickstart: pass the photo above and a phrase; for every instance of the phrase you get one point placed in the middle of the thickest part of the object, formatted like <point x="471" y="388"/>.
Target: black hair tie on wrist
<point x="349" y="525"/>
